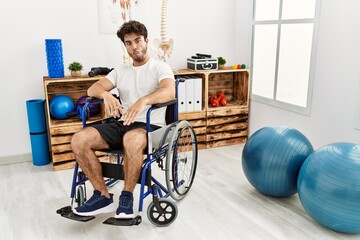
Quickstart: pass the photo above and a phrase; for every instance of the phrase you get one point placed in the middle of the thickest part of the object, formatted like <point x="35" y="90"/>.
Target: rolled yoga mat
<point x="38" y="133"/>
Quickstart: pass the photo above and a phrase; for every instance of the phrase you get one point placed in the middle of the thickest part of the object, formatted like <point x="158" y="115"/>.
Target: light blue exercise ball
<point x="329" y="186"/>
<point x="60" y="105"/>
<point x="272" y="157"/>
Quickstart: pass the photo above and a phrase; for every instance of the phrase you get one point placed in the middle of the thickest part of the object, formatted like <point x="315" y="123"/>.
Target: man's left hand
<point x="133" y="111"/>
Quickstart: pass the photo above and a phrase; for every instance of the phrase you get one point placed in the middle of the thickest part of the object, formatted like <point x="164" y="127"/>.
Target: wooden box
<point x="223" y="125"/>
<point x="234" y="85"/>
<point x="227" y="125"/>
<point x="198" y="123"/>
<point x="60" y="131"/>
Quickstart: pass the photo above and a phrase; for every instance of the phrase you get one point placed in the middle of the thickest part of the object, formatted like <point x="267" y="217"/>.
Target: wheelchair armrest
<point x="90" y="101"/>
<point x="156" y="106"/>
<point x="84" y="113"/>
<point x="93" y="100"/>
<point x="160" y="105"/>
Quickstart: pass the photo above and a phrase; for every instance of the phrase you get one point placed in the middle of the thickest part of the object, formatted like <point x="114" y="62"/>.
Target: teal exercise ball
<point x="329" y="186"/>
<point x="60" y="105"/>
<point x="272" y="157"/>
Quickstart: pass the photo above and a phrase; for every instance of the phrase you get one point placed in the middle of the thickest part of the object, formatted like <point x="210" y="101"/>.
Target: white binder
<point x="189" y="86"/>
<point x="197" y="94"/>
<point x="181" y="97"/>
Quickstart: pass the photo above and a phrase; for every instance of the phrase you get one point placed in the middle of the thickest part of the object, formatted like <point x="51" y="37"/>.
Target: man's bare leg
<point x="134" y="142"/>
<point x="83" y="144"/>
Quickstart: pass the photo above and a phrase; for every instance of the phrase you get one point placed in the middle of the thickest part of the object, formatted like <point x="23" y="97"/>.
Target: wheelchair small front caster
<point x="80" y="195"/>
<point x="162" y="212"/>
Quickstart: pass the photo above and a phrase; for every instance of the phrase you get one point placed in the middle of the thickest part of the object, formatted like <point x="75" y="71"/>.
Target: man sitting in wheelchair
<point x="143" y="82"/>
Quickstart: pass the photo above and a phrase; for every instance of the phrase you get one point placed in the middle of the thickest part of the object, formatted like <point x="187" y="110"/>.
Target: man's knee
<point x="78" y="140"/>
<point x="88" y="139"/>
<point x="135" y="139"/>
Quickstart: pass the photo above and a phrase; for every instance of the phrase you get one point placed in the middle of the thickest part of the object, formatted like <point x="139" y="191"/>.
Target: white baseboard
<point x="16" y="159"/>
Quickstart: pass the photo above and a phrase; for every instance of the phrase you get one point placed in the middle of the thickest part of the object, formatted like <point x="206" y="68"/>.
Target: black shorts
<point x="113" y="131"/>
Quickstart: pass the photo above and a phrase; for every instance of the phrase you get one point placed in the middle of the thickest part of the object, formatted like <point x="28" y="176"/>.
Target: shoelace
<point x="125" y="201"/>
<point x="93" y="199"/>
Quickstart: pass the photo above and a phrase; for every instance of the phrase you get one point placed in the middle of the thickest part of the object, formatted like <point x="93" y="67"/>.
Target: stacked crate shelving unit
<point x="61" y="131"/>
<point x="223" y="125"/>
<point x="214" y="126"/>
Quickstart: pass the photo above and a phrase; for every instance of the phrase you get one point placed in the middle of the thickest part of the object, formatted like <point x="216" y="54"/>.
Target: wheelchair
<point x="173" y="148"/>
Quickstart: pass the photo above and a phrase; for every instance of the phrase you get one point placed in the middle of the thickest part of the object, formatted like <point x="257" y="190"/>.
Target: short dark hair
<point x="132" y="27"/>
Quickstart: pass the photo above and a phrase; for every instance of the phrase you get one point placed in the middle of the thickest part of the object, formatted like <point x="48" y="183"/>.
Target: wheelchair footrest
<point x="123" y="222"/>
<point x="67" y="212"/>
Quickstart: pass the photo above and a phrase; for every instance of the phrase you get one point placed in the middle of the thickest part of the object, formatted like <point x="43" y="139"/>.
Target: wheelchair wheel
<point x="165" y="215"/>
<point x="80" y="196"/>
<point x="181" y="160"/>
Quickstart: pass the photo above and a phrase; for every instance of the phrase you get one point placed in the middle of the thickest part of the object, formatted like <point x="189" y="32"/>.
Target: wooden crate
<point x="223" y="125"/>
<point x="60" y="132"/>
<point x="227" y="125"/>
<point x="198" y="122"/>
<point x="235" y="86"/>
<point x="103" y="157"/>
<point x="185" y="73"/>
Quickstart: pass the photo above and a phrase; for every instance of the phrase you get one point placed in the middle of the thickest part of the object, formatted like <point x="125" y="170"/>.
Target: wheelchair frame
<point x="176" y="137"/>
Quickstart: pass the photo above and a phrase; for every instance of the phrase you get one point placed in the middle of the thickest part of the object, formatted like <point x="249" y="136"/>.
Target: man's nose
<point x="134" y="46"/>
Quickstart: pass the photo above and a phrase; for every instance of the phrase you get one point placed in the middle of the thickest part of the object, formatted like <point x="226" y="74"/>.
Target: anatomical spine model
<point x="163" y="47"/>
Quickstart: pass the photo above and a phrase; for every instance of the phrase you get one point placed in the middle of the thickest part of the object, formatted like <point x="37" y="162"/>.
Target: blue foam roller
<point x="40" y="149"/>
<point x="36" y="115"/>
<point x="54" y="57"/>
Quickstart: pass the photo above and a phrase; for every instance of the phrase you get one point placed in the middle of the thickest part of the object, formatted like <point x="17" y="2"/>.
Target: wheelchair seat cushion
<point x="113" y="131"/>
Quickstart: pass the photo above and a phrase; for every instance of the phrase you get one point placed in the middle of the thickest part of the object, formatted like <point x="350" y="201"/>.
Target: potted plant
<point x="75" y="69"/>
<point x="221" y="62"/>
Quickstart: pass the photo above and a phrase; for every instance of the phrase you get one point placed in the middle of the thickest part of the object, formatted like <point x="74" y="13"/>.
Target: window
<point x="283" y="43"/>
<point x="357" y="110"/>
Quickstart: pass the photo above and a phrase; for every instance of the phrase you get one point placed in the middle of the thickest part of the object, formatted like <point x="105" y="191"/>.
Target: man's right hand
<point x="112" y="105"/>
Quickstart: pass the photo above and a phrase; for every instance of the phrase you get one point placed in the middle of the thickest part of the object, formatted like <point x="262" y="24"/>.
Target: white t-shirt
<point x="135" y="82"/>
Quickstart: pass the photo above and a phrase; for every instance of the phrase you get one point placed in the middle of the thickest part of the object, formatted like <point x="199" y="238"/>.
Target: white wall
<point x="337" y="80"/>
<point x="208" y="26"/>
<point x="205" y="26"/>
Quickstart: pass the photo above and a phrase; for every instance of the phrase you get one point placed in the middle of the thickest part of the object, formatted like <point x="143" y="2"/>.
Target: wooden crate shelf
<point x="214" y="127"/>
<point x="198" y="122"/>
<point x="71" y="163"/>
<point x="61" y="131"/>
<point x="223" y="125"/>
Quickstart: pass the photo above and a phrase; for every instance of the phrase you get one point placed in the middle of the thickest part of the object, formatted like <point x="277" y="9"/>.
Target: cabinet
<point x="61" y="131"/>
<point x="223" y="125"/>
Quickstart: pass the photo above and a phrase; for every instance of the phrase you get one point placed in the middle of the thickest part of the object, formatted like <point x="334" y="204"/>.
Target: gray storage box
<point x="202" y="64"/>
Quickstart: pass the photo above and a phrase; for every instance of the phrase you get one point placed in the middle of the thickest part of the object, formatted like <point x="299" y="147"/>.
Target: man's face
<point x="136" y="46"/>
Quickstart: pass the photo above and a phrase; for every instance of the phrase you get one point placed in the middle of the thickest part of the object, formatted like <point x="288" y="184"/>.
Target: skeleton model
<point x="163" y="47"/>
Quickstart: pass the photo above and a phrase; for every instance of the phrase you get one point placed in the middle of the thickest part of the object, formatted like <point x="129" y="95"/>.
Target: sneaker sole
<point x="107" y="209"/>
<point x="124" y="216"/>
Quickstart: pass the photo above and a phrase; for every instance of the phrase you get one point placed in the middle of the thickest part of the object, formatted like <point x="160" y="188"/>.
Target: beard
<point x="140" y="57"/>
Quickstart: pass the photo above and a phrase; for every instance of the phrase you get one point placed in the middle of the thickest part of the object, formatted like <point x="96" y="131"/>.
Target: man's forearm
<point x="99" y="88"/>
<point x="165" y="93"/>
<point x="159" y="96"/>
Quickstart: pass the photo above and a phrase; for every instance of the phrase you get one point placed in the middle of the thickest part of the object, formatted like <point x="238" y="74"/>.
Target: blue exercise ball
<point x="329" y="186"/>
<point x="272" y="157"/>
<point x="60" y="105"/>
